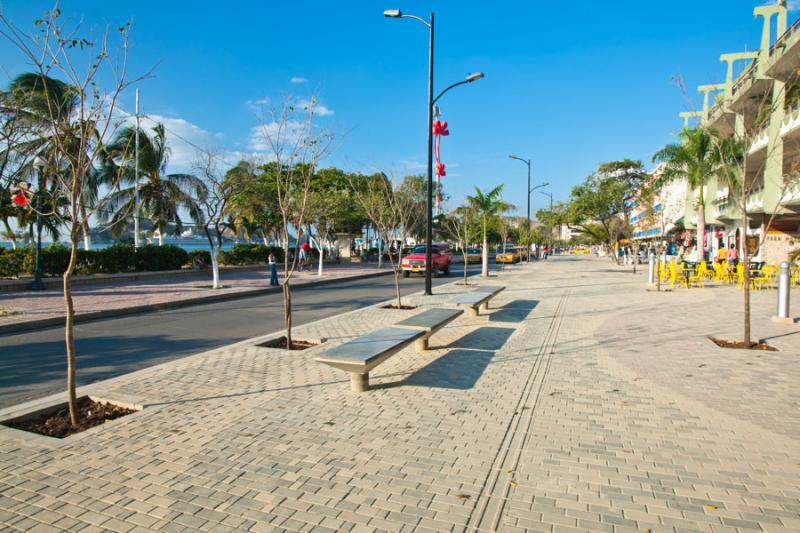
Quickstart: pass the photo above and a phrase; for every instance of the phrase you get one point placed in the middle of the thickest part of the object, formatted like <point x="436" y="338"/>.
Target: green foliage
<point x="693" y="159"/>
<point x="153" y="257"/>
<point x="249" y="254"/>
<point x="115" y="259"/>
<point x="11" y="262"/>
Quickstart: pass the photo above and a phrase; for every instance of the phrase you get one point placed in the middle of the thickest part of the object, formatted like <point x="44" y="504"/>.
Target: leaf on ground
<point x="701" y="365"/>
<point x="555" y="393"/>
<point x="688" y="375"/>
<point x="459" y="412"/>
<point x="463" y="496"/>
<point x="512" y="482"/>
<point x="710" y="506"/>
<point x="329" y="423"/>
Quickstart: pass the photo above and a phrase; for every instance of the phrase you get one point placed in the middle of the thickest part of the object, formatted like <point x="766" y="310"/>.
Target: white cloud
<point x="298" y="80"/>
<point x="412" y="165"/>
<point x="319" y="109"/>
<point x="260" y="135"/>
<point x="793" y="5"/>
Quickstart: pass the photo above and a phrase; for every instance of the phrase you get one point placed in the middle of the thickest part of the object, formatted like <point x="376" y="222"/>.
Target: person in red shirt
<point x="304" y="251"/>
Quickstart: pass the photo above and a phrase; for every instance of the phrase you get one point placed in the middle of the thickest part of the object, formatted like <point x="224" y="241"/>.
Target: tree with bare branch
<point x="95" y="74"/>
<point x="296" y="145"/>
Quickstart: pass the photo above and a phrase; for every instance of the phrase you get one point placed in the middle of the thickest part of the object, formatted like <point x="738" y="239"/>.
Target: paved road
<point x="32" y="364"/>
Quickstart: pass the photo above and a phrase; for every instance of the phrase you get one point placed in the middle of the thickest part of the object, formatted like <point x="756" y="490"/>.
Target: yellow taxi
<point x="522" y="252"/>
<point x="474" y="255"/>
<point x="507" y="257"/>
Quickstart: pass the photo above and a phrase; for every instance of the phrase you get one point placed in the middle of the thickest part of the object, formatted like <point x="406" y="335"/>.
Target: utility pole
<point x="136" y="242"/>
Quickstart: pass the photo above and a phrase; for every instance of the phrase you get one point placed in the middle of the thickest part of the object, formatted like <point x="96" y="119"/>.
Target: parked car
<point x="522" y="252"/>
<point x="509" y="256"/>
<point x="474" y="255"/>
<point x="441" y="258"/>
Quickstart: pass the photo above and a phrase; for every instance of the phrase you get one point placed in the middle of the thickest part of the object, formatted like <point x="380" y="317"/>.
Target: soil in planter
<point x="90" y="414"/>
<point x="760" y="345"/>
<point x="394" y="306"/>
<point x="280" y="342"/>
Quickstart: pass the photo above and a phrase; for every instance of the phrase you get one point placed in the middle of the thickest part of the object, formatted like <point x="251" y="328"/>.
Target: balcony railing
<point x="780" y="42"/>
<point x="748" y="73"/>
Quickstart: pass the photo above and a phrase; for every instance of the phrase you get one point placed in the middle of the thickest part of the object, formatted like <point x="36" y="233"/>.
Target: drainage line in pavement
<point x="545" y="350"/>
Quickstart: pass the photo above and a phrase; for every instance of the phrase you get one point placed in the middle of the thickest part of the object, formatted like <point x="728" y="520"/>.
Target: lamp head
<point x="474" y="77"/>
<point x="512" y="156"/>
<point x="393" y="13"/>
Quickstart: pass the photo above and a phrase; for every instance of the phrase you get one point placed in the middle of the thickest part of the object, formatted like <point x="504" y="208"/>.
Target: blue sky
<point x="568" y="84"/>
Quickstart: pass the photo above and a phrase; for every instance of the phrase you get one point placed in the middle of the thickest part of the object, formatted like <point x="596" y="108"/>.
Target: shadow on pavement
<point x="515" y="311"/>
<point x="457" y="369"/>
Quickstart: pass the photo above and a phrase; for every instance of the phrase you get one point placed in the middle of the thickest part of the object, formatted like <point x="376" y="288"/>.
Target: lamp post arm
<point x="462" y="82"/>
<point x="422" y="20"/>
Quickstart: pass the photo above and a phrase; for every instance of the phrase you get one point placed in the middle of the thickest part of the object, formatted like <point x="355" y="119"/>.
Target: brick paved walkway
<point x="580" y="403"/>
<point x="29" y="305"/>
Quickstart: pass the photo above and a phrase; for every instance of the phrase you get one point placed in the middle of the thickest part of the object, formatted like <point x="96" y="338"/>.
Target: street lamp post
<point x="39" y="164"/>
<point x="397" y="14"/>
<point x="550" y="195"/>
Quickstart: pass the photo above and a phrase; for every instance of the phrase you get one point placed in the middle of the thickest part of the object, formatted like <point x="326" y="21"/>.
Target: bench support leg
<point x="359" y="382"/>
<point x="421" y="344"/>
<point x="484" y="306"/>
<point x="473" y="311"/>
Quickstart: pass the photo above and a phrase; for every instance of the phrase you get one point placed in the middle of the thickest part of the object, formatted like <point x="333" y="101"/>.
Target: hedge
<point x="248" y="254"/>
<point x="121" y="258"/>
<point x="118" y="258"/>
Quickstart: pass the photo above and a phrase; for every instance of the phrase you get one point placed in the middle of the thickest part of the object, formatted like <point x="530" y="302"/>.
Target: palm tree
<point x="693" y="159"/>
<point x="47" y="109"/>
<point x="487" y="205"/>
<point x="161" y="196"/>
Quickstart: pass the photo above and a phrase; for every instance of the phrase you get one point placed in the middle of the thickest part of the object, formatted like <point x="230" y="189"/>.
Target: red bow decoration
<point x="440" y="128"/>
<point x="20" y="198"/>
<point x="440" y="169"/>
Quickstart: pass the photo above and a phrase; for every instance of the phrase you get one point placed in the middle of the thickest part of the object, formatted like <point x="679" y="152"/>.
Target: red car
<point x="441" y="257"/>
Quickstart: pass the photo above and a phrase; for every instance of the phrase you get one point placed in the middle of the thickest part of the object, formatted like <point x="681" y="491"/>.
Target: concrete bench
<point x="430" y="322"/>
<point x="361" y="355"/>
<point x="478" y="299"/>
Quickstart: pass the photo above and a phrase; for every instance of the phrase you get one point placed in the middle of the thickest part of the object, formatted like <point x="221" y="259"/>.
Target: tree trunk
<point x="287" y="313"/>
<point x="69" y="328"/>
<point x="397" y="271"/>
<point x="485" y="252"/>
<point x="466" y="263"/>
<point x="701" y="232"/>
<point x="380" y="254"/>
<point x="321" y="256"/>
<point x="160" y="238"/>
<point x="745" y="253"/>
<point x="214" y="253"/>
<point x="87" y="239"/>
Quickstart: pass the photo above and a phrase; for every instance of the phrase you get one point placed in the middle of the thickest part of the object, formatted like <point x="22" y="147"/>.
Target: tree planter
<point x="53" y="421"/>
<point x="297" y="344"/>
<point x="761" y="345"/>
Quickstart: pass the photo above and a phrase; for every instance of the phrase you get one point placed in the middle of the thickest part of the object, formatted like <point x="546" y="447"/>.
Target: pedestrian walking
<point x="304" y="251"/>
<point x="273" y="270"/>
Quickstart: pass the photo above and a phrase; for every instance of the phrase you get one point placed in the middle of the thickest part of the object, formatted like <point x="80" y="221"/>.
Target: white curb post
<point x="784" y="283"/>
<point x="651" y="268"/>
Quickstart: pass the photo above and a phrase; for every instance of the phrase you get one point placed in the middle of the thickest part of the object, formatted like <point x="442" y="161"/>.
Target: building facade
<point x="760" y="108"/>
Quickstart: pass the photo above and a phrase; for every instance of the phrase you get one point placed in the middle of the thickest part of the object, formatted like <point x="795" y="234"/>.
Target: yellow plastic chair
<point x="721" y="273"/>
<point x="698" y="278"/>
<point x="766" y="279"/>
<point x="673" y="274"/>
<point x="740" y="277"/>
